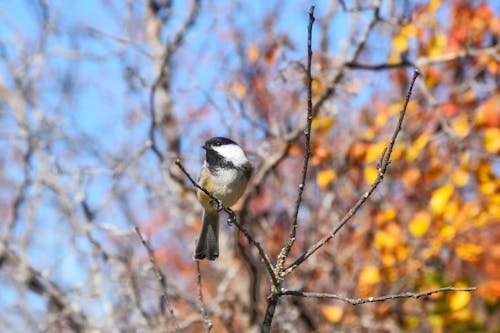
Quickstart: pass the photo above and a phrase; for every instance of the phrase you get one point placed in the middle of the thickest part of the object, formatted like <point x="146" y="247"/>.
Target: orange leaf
<point x="460" y="126"/>
<point x="252" y="54"/>
<point x="332" y="313"/>
<point x="439" y="199"/>
<point x="420" y="223"/>
<point x="469" y="252"/>
<point x="239" y="89"/>
<point x="325" y="177"/>
<point x="460" y="177"/>
<point x="433" y="5"/>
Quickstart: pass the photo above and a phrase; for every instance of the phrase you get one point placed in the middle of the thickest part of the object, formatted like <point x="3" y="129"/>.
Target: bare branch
<point x="384" y="163"/>
<point x="40" y="284"/>
<point x="307" y="133"/>
<point x="356" y="301"/>
<point x="165" y="303"/>
<point x="203" y="310"/>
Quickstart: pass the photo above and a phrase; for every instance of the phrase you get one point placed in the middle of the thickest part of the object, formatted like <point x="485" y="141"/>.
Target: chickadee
<point x="225" y="174"/>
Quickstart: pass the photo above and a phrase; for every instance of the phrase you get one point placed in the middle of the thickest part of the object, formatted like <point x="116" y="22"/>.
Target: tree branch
<point x="356" y="301"/>
<point x="165" y="303"/>
<point x="233" y="220"/>
<point x="203" y="310"/>
<point x="385" y="160"/>
<point x="307" y="133"/>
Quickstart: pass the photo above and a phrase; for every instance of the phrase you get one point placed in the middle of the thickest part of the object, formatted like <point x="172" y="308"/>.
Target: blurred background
<point x="80" y="80"/>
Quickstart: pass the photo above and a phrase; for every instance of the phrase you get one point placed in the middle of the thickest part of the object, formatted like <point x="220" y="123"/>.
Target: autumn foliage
<point x="433" y="222"/>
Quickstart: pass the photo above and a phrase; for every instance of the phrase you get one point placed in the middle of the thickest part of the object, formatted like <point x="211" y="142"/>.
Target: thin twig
<point x="273" y="298"/>
<point x="203" y="310"/>
<point x="165" y="303"/>
<point x="293" y="230"/>
<point x="356" y="301"/>
<point x="233" y="220"/>
<point x="384" y="163"/>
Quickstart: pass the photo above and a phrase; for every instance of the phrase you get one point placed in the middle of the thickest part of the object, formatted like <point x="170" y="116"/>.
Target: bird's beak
<point x="204" y="147"/>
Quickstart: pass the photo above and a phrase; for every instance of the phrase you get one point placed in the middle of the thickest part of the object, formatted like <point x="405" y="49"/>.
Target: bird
<point x="224" y="174"/>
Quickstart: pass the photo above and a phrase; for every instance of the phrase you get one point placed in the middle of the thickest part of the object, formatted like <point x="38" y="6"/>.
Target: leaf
<point x="409" y="30"/>
<point x="469" y="252"/>
<point x="369" y="275"/>
<point x="437" y="44"/>
<point x="420" y="223"/>
<point x="252" y="54"/>
<point x="460" y="177"/>
<point x="374" y="151"/>
<point x="414" y="150"/>
<point x="433" y="5"/>
<point x="332" y="313"/>
<point x="448" y="109"/>
<point x="323" y="123"/>
<point x="384" y="239"/>
<point x="400" y="43"/>
<point x="325" y="177"/>
<point x="239" y="89"/>
<point x="492" y="140"/>
<point x="439" y="199"/>
<point x="370" y="174"/>
<point x="488" y="113"/>
<point x="460" y="126"/>
<point x="459" y="299"/>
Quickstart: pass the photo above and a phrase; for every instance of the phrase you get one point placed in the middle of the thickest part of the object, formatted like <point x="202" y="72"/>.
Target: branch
<point x="165" y="303"/>
<point x="423" y="61"/>
<point x="232" y="220"/>
<point x="293" y="231"/>
<point x="356" y="301"/>
<point x="203" y="310"/>
<point x="40" y="284"/>
<point x="385" y="160"/>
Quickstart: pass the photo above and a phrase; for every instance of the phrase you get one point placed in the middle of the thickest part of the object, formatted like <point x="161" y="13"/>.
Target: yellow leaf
<point x="414" y="150"/>
<point x="469" y="252"/>
<point x="437" y="44"/>
<point x="369" y="275"/>
<point x="460" y="177"/>
<point x="459" y="300"/>
<point x="447" y="232"/>
<point x="384" y="239"/>
<point x="488" y="187"/>
<point x="323" y="123"/>
<point x="492" y="140"/>
<point x="388" y="259"/>
<point x="325" y="177"/>
<point x="420" y="223"/>
<point x="400" y="43"/>
<point x="374" y="151"/>
<point x="460" y="126"/>
<point x="409" y="30"/>
<point x="439" y="199"/>
<point x="388" y="214"/>
<point x="371" y="174"/>
<point x="333" y="313"/>
<point x="252" y="53"/>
